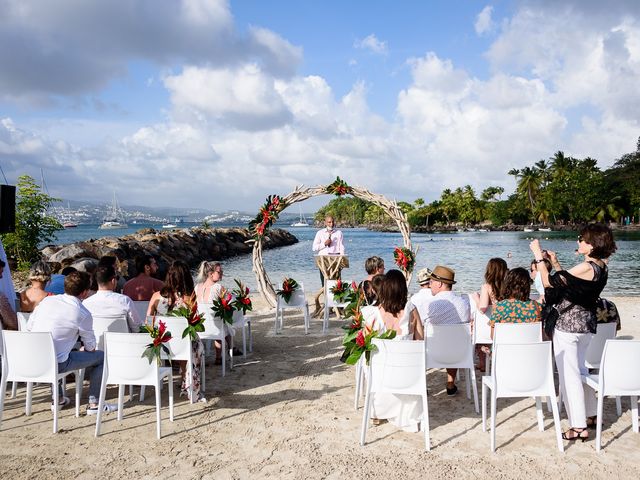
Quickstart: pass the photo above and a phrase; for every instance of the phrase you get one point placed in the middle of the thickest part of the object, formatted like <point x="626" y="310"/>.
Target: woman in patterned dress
<point x="516" y="306"/>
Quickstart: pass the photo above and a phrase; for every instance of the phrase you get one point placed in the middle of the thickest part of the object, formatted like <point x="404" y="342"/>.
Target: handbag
<point x="607" y="312"/>
<point x="550" y="315"/>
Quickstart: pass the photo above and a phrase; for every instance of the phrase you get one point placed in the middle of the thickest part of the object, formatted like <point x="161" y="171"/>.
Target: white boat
<point x="114" y="219"/>
<point x="529" y="229"/>
<point x="170" y="225"/>
<point x="302" y="222"/>
<point x="544" y="229"/>
<point x="483" y="230"/>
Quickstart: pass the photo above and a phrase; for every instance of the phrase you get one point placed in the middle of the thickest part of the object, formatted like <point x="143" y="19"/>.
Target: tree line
<point x="560" y="190"/>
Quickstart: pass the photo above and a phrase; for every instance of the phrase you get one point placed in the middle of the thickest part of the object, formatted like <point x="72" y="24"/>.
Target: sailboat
<point x="68" y="222"/>
<point x="114" y="218"/>
<point x="302" y="222"/>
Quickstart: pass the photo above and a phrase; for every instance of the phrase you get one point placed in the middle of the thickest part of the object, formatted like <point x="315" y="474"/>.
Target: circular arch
<point x="299" y="195"/>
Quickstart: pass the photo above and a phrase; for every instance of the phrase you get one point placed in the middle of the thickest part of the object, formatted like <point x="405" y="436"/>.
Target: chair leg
<point x="3" y="392"/>
<point x="556" y="422"/>
<point x="619" y="406"/>
<point x="79" y="381"/>
<point x="56" y="400"/>
<point x="170" y="388"/>
<point x="233" y="338"/>
<point x="487" y="364"/>
<point x="158" y="411"/>
<point x="189" y="375"/>
<point x="539" y="414"/>
<point x="30" y="398"/>
<point x="365" y="416"/>
<point x="203" y="374"/>
<point x="467" y="383"/>
<point x="599" y="420"/>
<point x="121" y="388"/>
<point x="549" y="408"/>
<point x="634" y="413"/>
<point x="223" y="343"/>
<point x="425" y="423"/>
<point x="14" y="390"/>
<point x="306" y="319"/>
<point x="484" y="407"/>
<point x="142" y="393"/>
<point x="275" y="326"/>
<point x="493" y="421"/>
<point x="244" y="341"/>
<point x="103" y="393"/>
<point x="358" y="385"/>
<point x="250" y="338"/>
<point x="474" y="385"/>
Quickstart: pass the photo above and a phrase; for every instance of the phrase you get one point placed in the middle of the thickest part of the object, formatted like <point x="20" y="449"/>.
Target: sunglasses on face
<point x="580" y="239"/>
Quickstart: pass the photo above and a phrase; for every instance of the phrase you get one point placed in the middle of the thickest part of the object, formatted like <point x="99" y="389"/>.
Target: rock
<point x="189" y="245"/>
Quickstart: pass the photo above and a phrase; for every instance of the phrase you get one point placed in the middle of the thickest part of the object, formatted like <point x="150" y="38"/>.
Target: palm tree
<point x="529" y="181"/>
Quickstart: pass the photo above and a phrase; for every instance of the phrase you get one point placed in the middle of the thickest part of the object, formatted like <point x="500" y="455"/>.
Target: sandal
<point x="592" y="422"/>
<point x="578" y="434"/>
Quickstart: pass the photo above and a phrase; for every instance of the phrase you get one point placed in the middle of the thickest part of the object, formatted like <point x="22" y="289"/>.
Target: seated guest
<point x="56" y="284"/>
<point x="516" y="306"/>
<point x="8" y="315"/>
<point x="67" y="319"/>
<point x="395" y="312"/>
<point x="373" y="266"/>
<point x="143" y="286"/>
<point x="111" y="260"/>
<point x="39" y="275"/>
<point x="177" y="291"/>
<point x="422" y="298"/>
<point x="107" y="302"/>
<point x="493" y="278"/>
<point x="446" y="308"/>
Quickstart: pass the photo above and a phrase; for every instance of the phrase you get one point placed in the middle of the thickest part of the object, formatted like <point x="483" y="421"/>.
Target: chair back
<point x="213" y="326"/>
<point x="141" y="307"/>
<point x="23" y="318"/>
<point x="619" y="372"/>
<point x="593" y="355"/>
<point x="517" y="333"/>
<point x="397" y="366"/>
<point x="448" y="346"/>
<point x="124" y="362"/>
<point x="108" y="323"/>
<point x="298" y="298"/>
<point x="29" y="357"/>
<point x="179" y="347"/>
<point x="238" y="319"/>
<point x="522" y="369"/>
<point x="328" y="296"/>
<point x="481" y="325"/>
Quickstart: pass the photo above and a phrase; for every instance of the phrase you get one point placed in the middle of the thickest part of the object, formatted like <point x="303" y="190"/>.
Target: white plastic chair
<point x="141" y="307"/>
<point x="619" y="376"/>
<point x="108" y="323"/>
<point x="14" y="388"/>
<point x="298" y="301"/>
<point x="521" y="370"/>
<point x="481" y="328"/>
<point x="593" y="355"/>
<point x="330" y="302"/>
<point x="449" y="346"/>
<point x="30" y="357"/>
<point x="179" y="347"/>
<point x="213" y="330"/>
<point x="397" y="366"/>
<point x="125" y="365"/>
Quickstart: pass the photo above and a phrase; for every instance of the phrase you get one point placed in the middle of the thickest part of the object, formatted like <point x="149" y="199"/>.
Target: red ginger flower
<point x="360" y="341"/>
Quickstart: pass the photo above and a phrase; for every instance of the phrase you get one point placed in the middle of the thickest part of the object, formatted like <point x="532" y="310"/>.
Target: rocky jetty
<point x="191" y="245"/>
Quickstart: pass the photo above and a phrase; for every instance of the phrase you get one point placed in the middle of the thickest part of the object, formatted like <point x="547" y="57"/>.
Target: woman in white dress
<point x="208" y="288"/>
<point x="395" y="312"/>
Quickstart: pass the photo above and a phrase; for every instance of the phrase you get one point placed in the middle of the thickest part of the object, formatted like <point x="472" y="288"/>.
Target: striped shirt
<point x="448" y="308"/>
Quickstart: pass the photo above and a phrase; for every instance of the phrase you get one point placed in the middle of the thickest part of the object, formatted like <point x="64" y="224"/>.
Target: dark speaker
<point x="7" y="208"/>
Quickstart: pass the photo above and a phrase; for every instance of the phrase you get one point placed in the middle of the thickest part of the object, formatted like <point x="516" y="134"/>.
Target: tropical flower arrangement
<point x="242" y="301"/>
<point x="289" y="285"/>
<point x="159" y="335"/>
<point x="404" y="258"/>
<point x="339" y="187"/>
<point x="195" y="320"/>
<point x="223" y="306"/>
<point x="359" y="341"/>
<point x="268" y="214"/>
<point x="342" y="291"/>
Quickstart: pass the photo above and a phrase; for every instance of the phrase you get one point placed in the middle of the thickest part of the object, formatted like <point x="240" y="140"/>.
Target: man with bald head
<point x="328" y="241"/>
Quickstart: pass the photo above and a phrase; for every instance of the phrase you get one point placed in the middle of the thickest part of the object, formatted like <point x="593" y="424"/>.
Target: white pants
<point x="579" y="399"/>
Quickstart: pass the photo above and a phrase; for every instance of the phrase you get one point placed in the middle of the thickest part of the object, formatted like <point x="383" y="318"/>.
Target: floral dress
<point x="516" y="311"/>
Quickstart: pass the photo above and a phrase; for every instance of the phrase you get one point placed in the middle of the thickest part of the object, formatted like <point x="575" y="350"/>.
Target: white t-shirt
<point x="448" y="308"/>
<point x="106" y="302"/>
<point x="421" y="301"/>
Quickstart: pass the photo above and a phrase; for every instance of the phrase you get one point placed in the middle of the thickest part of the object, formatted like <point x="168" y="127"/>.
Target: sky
<point x="217" y="104"/>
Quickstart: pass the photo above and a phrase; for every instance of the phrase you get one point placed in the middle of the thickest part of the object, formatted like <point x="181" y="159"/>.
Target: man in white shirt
<point x="328" y="241"/>
<point x="107" y="302"/>
<point x="422" y="298"/>
<point x="446" y="308"/>
<point x="67" y="319"/>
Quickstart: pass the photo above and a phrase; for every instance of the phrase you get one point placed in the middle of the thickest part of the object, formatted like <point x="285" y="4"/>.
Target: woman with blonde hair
<point x="39" y="276"/>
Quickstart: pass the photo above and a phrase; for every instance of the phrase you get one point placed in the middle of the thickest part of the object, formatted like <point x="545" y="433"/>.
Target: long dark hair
<point x="178" y="283"/>
<point x="393" y="292"/>
<point x="517" y="284"/>
<point x="494" y="275"/>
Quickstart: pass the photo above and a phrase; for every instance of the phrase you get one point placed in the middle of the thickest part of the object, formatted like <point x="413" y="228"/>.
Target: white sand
<point x="287" y="412"/>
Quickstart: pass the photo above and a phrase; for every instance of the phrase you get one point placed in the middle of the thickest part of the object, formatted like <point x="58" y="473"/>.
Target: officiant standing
<point x="328" y="241"/>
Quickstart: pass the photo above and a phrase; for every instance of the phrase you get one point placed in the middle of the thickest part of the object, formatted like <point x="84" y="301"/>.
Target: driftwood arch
<point x="299" y="195"/>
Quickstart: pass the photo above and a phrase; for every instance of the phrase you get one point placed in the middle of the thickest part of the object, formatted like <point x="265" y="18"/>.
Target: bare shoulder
<point x="582" y="270"/>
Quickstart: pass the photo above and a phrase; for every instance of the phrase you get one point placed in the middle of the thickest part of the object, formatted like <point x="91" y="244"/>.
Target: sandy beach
<point x="286" y="411"/>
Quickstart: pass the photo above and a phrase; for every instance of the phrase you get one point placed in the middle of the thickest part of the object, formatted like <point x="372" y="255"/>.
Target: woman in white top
<point x="208" y="288"/>
<point x="395" y="312"/>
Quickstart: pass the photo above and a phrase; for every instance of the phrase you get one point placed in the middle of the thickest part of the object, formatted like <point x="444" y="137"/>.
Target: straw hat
<point x="423" y="276"/>
<point x="443" y="274"/>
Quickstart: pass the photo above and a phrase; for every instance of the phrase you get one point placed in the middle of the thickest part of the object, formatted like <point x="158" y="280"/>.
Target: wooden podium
<point x="330" y="266"/>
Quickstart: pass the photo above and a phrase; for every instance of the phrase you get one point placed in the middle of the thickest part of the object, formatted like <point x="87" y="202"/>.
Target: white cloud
<point x="371" y="43"/>
<point x="484" y="23"/>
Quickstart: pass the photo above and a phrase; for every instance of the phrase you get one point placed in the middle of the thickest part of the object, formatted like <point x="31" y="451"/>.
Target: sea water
<point x="467" y="253"/>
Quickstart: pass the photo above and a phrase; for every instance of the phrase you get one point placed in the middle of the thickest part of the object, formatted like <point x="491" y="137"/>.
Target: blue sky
<point x="219" y="104"/>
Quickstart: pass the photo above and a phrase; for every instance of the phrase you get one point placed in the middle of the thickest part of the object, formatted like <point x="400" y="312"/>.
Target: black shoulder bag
<point x="550" y="315"/>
